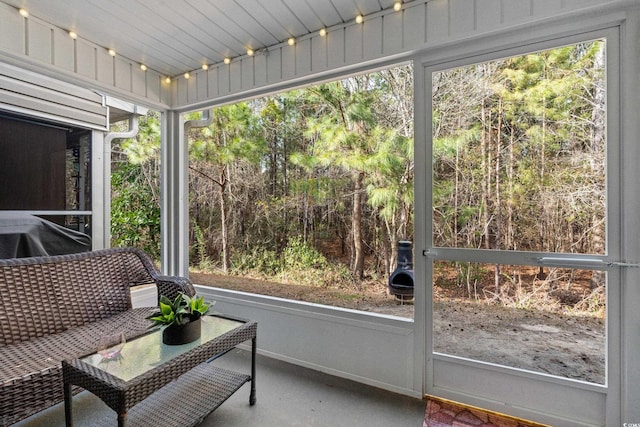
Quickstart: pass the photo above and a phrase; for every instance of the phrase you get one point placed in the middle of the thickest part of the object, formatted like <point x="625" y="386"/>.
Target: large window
<point x="519" y="217"/>
<point x="307" y="194"/>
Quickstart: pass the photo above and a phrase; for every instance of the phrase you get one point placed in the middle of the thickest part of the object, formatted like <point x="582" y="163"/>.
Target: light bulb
<point x="359" y="19"/>
<point x="143" y="67"/>
<point x="24" y="13"/>
<point x="291" y="41"/>
<point x="250" y="52"/>
<point x="323" y="32"/>
<point x="227" y="61"/>
<point x="397" y="6"/>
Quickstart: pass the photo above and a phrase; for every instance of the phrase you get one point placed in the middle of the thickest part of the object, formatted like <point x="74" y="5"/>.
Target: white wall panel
<point x="86" y="67"/>
<point x="39" y="45"/>
<point x="376" y="350"/>
<point x="547" y="7"/>
<point x="336" y="48"/>
<point x="372" y="38"/>
<point x="212" y="80"/>
<point x="353" y="44"/>
<point x="192" y="88"/>
<point x="12" y="30"/>
<point x="247" y="80"/>
<point x="437" y="21"/>
<point x="303" y="56"/>
<point x="122" y="73"/>
<point x="319" y="58"/>
<point x="392" y="32"/>
<point x="202" y="84"/>
<point x="138" y="81"/>
<point x="288" y="62"/>
<point x="274" y="65"/>
<point x="489" y="14"/>
<point x="414" y="26"/>
<point x="105" y="64"/>
<point x="260" y="67"/>
<point x="516" y="11"/>
<point x="224" y="79"/>
<point x="63" y="50"/>
<point x="464" y="12"/>
<point x="235" y="75"/>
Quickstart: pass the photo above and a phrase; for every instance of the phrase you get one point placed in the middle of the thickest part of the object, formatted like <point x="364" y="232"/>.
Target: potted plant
<point x="181" y="318"/>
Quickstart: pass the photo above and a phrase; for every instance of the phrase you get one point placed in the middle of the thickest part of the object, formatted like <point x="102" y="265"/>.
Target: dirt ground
<point x="541" y="341"/>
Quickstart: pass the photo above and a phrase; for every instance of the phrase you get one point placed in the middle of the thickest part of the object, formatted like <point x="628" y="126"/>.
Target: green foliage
<point x="300" y="255"/>
<point x="135" y="217"/>
<point x="258" y="259"/>
<point x="180" y="311"/>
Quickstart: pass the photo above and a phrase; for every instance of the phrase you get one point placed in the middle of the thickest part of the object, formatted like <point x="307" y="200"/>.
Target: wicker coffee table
<point x="151" y="383"/>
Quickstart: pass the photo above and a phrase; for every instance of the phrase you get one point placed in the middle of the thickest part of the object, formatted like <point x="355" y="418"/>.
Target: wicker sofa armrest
<point x="170" y="286"/>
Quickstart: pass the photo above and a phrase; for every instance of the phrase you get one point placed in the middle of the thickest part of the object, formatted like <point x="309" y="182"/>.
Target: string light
<point x="397" y="6"/>
<point x="227" y="60"/>
<point x="143" y="67"/>
<point x="291" y="41"/>
<point x="359" y="19"/>
<point x="323" y="32"/>
<point x="73" y="35"/>
<point x="112" y="52"/>
<point x="205" y="67"/>
<point x="187" y="75"/>
<point x="167" y="80"/>
<point x="23" y="12"/>
<point x="250" y="52"/>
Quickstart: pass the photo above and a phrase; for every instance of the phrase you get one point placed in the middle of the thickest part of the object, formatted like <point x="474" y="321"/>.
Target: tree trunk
<point x="356" y="224"/>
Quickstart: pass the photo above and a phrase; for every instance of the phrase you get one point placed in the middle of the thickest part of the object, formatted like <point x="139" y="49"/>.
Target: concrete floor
<point x="287" y="395"/>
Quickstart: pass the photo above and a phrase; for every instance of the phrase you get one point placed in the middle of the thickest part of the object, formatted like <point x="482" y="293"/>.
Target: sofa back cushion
<point x="45" y="295"/>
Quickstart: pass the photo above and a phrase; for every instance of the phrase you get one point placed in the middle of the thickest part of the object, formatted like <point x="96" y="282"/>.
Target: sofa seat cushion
<point x="20" y="362"/>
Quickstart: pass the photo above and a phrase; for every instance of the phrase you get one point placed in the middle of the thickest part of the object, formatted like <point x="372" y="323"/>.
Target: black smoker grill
<point x="401" y="279"/>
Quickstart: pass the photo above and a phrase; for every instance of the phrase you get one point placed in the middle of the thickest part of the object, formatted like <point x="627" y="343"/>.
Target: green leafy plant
<point x="182" y="310"/>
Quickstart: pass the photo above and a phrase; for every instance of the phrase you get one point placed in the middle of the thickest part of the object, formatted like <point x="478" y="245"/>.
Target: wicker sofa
<point x="57" y="307"/>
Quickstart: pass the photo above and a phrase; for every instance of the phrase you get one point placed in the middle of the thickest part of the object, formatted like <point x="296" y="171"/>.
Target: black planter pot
<point x="182" y="334"/>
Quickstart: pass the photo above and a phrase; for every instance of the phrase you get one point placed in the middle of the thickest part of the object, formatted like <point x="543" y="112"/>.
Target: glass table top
<point x="133" y="358"/>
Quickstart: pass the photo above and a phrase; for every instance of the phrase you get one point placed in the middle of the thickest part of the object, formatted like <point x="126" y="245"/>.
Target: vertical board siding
<point x="420" y="25"/>
<point x="319" y="58"/>
<point x="247" y="81"/>
<point x="260" y="64"/>
<point x="12" y="30"/>
<point x="288" y="62"/>
<point x="63" y="50"/>
<point x="414" y="27"/>
<point x="213" y="80"/>
<point x="105" y="64"/>
<point x="303" y="56"/>
<point x="122" y="74"/>
<point x="372" y="38"/>
<point x="392" y="32"/>
<point x="224" y="84"/>
<point x="464" y="12"/>
<point x="489" y="14"/>
<point x="274" y="65"/>
<point x="438" y="21"/>
<point x="39" y="44"/>
<point x="517" y="11"/>
<point x="353" y="44"/>
<point x="86" y="68"/>
<point x="335" y="48"/>
<point x="138" y="81"/>
<point x="547" y="7"/>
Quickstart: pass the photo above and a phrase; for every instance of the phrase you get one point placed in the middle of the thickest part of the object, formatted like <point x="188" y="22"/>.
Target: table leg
<point x="122" y="420"/>
<point x="252" y="396"/>
<point x="68" y="410"/>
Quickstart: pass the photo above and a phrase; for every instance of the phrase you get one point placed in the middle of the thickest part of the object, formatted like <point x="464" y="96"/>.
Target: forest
<point x="316" y="184"/>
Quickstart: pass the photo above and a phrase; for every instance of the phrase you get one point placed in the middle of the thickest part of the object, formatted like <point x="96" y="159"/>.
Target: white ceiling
<point x="175" y="36"/>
